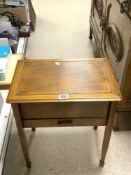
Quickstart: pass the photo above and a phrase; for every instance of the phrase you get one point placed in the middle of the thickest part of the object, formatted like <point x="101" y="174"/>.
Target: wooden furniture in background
<point x="79" y="92"/>
<point x="110" y="24"/>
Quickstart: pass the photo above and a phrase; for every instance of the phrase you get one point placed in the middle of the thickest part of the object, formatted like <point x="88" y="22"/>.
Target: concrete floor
<point x="62" y="32"/>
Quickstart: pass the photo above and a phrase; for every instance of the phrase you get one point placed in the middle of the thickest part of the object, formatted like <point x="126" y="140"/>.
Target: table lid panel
<point x="85" y="79"/>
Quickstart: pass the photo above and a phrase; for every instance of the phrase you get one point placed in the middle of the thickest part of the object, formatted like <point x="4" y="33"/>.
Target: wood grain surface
<point x="80" y="79"/>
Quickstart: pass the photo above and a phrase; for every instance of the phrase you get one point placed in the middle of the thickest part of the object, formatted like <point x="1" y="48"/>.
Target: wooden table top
<point x="63" y="80"/>
<point x="13" y="58"/>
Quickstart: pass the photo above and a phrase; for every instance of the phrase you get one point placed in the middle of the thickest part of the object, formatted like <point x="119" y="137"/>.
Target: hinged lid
<point x="67" y="80"/>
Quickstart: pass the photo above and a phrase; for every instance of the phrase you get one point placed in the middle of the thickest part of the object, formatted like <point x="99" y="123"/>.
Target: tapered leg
<point x="108" y="130"/>
<point x="21" y="134"/>
<point x="90" y="36"/>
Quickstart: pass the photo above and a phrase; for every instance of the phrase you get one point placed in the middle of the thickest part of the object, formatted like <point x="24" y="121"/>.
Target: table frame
<point x="108" y="129"/>
<point x="90" y="101"/>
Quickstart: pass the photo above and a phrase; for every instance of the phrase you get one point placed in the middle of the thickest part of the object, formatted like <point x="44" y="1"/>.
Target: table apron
<point x="63" y="110"/>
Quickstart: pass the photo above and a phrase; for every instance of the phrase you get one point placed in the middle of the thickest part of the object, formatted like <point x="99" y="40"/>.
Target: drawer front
<point x="63" y="110"/>
<point x="64" y="122"/>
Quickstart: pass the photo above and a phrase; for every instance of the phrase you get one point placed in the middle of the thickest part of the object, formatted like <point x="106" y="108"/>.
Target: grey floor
<point x="62" y="32"/>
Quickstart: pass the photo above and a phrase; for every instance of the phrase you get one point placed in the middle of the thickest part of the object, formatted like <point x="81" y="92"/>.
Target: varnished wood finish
<point x="21" y="134"/>
<point x="89" y="84"/>
<point x="64" y="122"/>
<point x="45" y="80"/>
<point x="59" y="110"/>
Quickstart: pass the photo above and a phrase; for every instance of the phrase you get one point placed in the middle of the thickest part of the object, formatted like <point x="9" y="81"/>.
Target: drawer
<point x="63" y="110"/>
<point x="64" y="122"/>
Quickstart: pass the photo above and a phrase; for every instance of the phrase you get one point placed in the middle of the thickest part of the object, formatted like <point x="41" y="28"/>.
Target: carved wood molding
<point x="99" y="7"/>
<point x="114" y="42"/>
<point x="125" y="7"/>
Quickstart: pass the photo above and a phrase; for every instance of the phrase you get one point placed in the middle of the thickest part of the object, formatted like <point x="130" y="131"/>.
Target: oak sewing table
<point x="77" y="92"/>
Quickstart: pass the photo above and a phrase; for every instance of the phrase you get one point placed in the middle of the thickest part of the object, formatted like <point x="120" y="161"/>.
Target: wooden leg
<point x="33" y="129"/>
<point x="90" y="36"/>
<point x="21" y="134"/>
<point x="108" y="130"/>
<point x="95" y="127"/>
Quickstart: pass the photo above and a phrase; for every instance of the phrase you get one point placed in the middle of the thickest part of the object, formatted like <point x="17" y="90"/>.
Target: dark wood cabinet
<point x="110" y="24"/>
